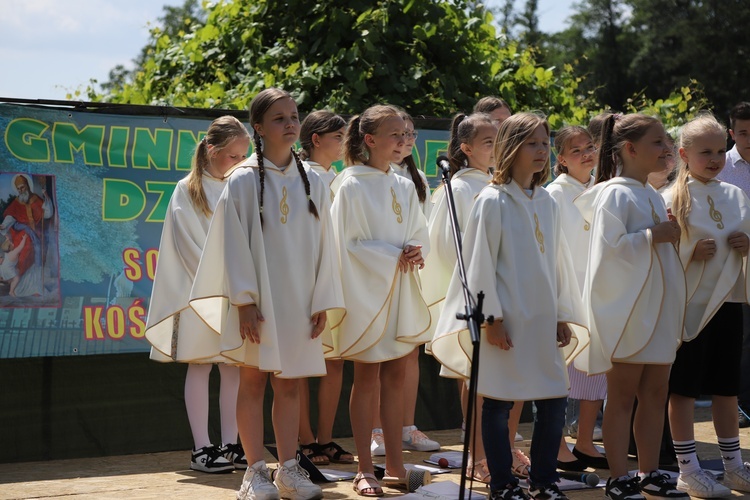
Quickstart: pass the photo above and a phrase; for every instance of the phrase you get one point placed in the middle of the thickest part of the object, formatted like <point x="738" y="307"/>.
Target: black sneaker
<point x="235" y="454"/>
<point x="547" y="492"/>
<point x="623" y="489"/>
<point x="659" y="485"/>
<point x="510" y="492"/>
<point x="210" y="459"/>
<point x="744" y="418"/>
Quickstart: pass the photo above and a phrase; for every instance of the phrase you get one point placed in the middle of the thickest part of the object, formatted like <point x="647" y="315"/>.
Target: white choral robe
<point x="718" y="209"/>
<point x="635" y="289"/>
<point x="515" y="252"/>
<point x="376" y="214"/>
<point x="175" y="332"/>
<point x="564" y="189"/>
<point x="326" y="176"/>
<point x="293" y="275"/>
<point x="403" y="171"/>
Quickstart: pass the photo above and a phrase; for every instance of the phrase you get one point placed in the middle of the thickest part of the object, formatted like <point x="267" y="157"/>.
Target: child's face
<point x="705" y="157"/>
<point x="651" y="152"/>
<point x="410" y="137"/>
<point x="481" y="149"/>
<point x="499" y="115"/>
<point x="388" y="142"/>
<point x="741" y="135"/>
<point x="533" y="153"/>
<point x="328" y="146"/>
<point x="280" y="125"/>
<point x="233" y="153"/>
<point x="579" y="155"/>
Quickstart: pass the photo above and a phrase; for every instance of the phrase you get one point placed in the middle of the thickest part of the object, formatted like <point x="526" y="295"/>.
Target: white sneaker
<point x="518" y="437"/>
<point x="294" y="482"/>
<point x="414" y="439"/>
<point x="701" y="484"/>
<point x="377" y="444"/>
<point x="738" y="479"/>
<point x="257" y="484"/>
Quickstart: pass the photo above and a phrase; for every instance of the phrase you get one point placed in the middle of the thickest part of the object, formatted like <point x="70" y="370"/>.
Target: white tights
<point x="196" y="402"/>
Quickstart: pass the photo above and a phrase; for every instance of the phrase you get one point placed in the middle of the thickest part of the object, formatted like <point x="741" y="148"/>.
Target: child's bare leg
<point x="391" y="415"/>
<point x="13" y="283"/>
<point x="250" y="412"/>
<point x="513" y="420"/>
<point x="285" y="416"/>
<point x="586" y="423"/>
<point x="622" y="383"/>
<point x="648" y="425"/>
<point x="329" y="393"/>
<point x="411" y="386"/>
<point x="306" y="435"/>
<point x="725" y="416"/>
<point x="361" y="411"/>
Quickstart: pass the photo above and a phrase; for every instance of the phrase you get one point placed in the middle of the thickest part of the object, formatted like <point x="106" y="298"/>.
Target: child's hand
<point x="498" y="335"/>
<point x="739" y="241"/>
<point x="250" y="317"/>
<point x="563" y="334"/>
<point x="704" y="249"/>
<point x="410" y="258"/>
<point x="319" y="323"/>
<point x="666" y="232"/>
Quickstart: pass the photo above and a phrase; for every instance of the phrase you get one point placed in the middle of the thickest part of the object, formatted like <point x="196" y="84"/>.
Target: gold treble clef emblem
<point x="654" y="215"/>
<point x="283" y="206"/>
<point x="538" y="233"/>
<point x="715" y="214"/>
<point x="396" y="207"/>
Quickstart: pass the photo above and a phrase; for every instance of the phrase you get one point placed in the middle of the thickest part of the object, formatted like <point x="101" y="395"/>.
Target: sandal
<point x="478" y="471"/>
<point x="413" y="480"/>
<point x="372" y="487"/>
<point x="336" y="454"/>
<point x="315" y="453"/>
<point x="521" y="464"/>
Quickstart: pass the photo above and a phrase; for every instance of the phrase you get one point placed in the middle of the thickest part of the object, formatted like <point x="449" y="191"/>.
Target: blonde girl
<point x="635" y="295"/>
<point x="576" y="159"/>
<point x="412" y="437"/>
<point x="515" y="252"/>
<point x="381" y="234"/>
<point x="471" y="155"/>
<point x="713" y="216"/>
<point x="173" y="329"/>
<point x="321" y="137"/>
<point x="270" y="253"/>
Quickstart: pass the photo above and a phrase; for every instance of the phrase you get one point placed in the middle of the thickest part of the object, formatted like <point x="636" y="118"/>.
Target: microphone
<point x="443" y="164"/>
<point x="590" y="479"/>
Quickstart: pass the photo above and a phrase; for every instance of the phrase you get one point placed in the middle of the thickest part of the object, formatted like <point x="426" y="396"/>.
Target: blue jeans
<point x="545" y="441"/>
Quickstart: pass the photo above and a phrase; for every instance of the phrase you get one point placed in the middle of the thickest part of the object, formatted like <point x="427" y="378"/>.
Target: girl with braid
<point x="381" y="234"/>
<point x="173" y="329"/>
<point x="270" y="254"/>
<point x="321" y="138"/>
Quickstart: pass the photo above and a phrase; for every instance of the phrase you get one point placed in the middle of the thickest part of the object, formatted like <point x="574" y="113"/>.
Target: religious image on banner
<point x="29" y="229"/>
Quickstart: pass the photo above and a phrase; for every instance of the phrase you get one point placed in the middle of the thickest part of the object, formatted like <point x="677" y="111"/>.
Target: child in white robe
<point x="515" y="252"/>
<point x="496" y="107"/>
<point x="470" y="153"/>
<point x="321" y="137"/>
<point x="381" y="234"/>
<point x="576" y="158"/>
<point x="412" y="437"/>
<point x="715" y="221"/>
<point x="635" y="296"/>
<point x="173" y="329"/>
<point x="270" y="253"/>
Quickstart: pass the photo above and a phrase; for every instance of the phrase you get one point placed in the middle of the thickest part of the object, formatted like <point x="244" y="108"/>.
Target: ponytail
<point x="456" y="157"/>
<point x="354" y="143"/>
<point x="419" y="185"/>
<point x="681" y="200"/>
<point x="607" y="167"/>
<point x="195" y="179"/>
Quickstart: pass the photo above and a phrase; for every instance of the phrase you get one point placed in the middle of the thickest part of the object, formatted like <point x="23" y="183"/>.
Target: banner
<point x="82" y="201"/>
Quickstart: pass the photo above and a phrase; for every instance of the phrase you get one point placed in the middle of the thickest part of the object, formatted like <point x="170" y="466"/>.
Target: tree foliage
<point x="432" y="57"/>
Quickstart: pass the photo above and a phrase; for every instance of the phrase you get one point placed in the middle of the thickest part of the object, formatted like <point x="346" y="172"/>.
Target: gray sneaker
<point x="738" y="479"/>
<point x="257" y="484"/>
<point x="701" y="484"/>
<point x="294" y="483"/>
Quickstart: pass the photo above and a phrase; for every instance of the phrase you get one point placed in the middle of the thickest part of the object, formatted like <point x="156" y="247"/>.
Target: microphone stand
<point x="474" y="317"/>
